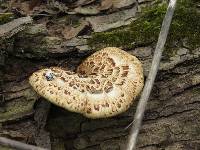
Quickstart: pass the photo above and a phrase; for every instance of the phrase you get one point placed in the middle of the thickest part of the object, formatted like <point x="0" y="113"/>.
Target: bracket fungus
<point x="104" y="85"/>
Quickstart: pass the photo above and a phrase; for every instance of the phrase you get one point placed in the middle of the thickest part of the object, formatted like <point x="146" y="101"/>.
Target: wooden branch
<point x="151" y="77"/>
<point x="18" y="145"/>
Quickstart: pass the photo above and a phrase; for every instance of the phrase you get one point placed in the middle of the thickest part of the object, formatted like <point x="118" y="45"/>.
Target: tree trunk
<point x="171" y="118"/>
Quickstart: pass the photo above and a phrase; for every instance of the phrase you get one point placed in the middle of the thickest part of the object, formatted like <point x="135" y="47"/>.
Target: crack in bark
<point x="167" y="116"/>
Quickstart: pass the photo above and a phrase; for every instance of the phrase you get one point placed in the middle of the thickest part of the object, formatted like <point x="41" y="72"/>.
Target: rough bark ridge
<point x="171" y="120"/>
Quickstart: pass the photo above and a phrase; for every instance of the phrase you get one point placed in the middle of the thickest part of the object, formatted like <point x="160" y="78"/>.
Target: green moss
<point x="18" y="107"/>
<point x="5" y="148"/>
<point x="145" y="30"/>
<point x="6" y="17"/>
<point x="196" y="91"/>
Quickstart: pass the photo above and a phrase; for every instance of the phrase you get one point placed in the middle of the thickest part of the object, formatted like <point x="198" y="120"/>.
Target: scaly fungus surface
<point x="104" y="85"/>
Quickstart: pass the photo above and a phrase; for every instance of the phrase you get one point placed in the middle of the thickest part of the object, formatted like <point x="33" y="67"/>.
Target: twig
<point x="129" y="125"/>
<point x="151" y="77"/>
<point x="18" y="145"/>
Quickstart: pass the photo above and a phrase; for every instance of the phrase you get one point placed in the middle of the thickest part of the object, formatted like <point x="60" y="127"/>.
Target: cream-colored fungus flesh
<point x="104" y="85"/>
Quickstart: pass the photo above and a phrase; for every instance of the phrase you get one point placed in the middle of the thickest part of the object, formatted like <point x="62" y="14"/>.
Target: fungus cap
<point x="104" y="85"/>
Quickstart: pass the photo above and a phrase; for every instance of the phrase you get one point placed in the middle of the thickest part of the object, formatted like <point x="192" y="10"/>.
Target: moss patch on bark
<point x="184" y="31"/>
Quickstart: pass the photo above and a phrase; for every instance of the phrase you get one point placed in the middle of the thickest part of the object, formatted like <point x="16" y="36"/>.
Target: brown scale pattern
<point x="104" y="85"/>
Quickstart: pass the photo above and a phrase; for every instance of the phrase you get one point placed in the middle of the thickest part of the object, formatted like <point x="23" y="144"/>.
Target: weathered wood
<point x="171" y="120"/>
<point x="18" y="145"/>
<point x="9" y="29"/>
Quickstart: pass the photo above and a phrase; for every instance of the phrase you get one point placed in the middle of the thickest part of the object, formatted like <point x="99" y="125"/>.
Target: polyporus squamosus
<point x="105" y="84"/>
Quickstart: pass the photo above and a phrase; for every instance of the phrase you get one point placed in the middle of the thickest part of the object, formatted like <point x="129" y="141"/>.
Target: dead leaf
<point x="83" y="2"/>
<point x="42" y="10"/>
<point x="107" y="4"/>
<point x="34" y="3"/>
<point x="122" y="3"/>
<point x="114" y="20"/>
<point x="27" y="7"/>
<point x="89" y="10"/>
<point x="22" y="7"/>
<point x="70" y="32"/>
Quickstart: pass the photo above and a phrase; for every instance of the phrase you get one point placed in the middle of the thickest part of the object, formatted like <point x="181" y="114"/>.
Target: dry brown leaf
<point x="114" y="20"/>
<point x="122" y="3"/>
<point x="26" y="7"/>
<point x="34" y="3"/>
<point x="22" y="7"/>
<point x="89" y="10"/>
<point x="83" y="2"/>
<point x="14" y="4"/>
<point x="70" y="32"/>
<point x="107" y="4"/>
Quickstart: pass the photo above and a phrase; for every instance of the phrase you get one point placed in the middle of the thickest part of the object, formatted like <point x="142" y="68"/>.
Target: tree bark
<point x="171" y="119"/>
